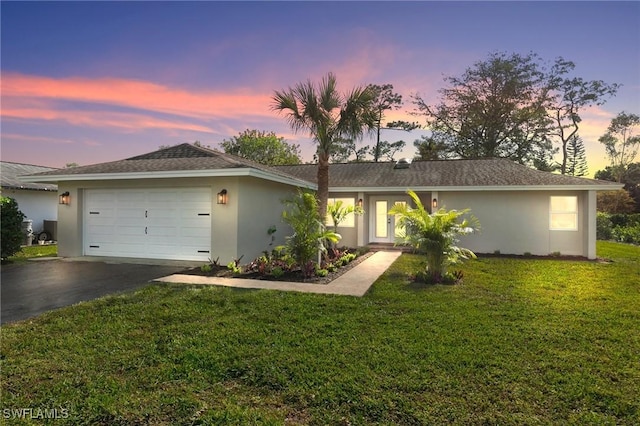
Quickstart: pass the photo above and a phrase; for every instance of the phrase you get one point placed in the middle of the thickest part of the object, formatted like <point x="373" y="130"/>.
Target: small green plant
<point x="527" y="253"/>
<point x="452" y="277"/>
<point x="555" y="254"/>
<point x="233" y="267"/>
<point x="496" y="252"/>
<point x="279" y="252"/>
<point x="330" y="267"/>
<point x="322" y="272"/>
<point x="206" y="268"/>
<point x="277" y="272"/>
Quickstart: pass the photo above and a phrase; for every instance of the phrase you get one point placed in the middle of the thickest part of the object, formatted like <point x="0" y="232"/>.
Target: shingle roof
<point x="183" y="157"/>
<point x="491" y="172"/>
<point x="477" y="173"/>
<point x="10" y="173"/>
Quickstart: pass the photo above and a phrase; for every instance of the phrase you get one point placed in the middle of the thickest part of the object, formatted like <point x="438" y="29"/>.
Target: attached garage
<point x="148" y="223"/>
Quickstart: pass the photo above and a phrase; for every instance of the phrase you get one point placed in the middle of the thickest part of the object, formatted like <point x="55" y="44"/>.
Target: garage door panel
<point x="152" y="223"/>
<point x="113" y="249"/>
<point x="125" y="232"/>
<point x="194" y="233"/>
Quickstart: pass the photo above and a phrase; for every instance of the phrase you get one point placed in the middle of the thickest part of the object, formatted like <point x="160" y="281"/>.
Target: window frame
<point x="564" y="212"/>
<point x="350" y="219"/>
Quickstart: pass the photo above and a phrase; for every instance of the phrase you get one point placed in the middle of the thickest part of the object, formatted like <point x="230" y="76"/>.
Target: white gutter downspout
<point x="591" y="225"/>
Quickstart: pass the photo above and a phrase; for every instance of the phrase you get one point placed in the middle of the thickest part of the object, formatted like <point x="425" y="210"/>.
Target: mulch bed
<point x="289" y="276"/>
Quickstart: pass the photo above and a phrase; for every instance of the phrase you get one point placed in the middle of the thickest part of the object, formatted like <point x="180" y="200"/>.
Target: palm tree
<point x="434" y="235"/>
<point x="327" y="116"/>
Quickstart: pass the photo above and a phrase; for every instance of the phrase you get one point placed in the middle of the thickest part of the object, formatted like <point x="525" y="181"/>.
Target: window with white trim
<point x="349" y="221"/>
<point x="563" y="213"/>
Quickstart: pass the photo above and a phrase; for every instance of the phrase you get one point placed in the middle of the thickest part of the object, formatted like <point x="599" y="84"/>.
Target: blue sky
<point x="89" y="82"/>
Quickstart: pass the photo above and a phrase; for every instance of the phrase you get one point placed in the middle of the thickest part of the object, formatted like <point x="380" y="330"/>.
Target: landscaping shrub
<point x="624" y="228"/>
<point x="604" y="227"/>
<point x="11" y="224"/>
<point x="627" y="234"/>
<point x="309" y="233"/>
<point x="434" y="235"/>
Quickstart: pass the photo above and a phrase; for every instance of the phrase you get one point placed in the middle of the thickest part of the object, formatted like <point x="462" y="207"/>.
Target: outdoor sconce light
<point x="222" y="197"/>
<point x="65" y="198"/>
<point x="360" y="203"/>
<point x="434" y="203"/>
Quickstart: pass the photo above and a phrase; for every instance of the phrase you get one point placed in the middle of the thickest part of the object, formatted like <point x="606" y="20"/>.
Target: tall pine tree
<point x="576" y="157"/>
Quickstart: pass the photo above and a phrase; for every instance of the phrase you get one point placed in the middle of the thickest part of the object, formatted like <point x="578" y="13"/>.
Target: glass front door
<point x="382" y="227"/>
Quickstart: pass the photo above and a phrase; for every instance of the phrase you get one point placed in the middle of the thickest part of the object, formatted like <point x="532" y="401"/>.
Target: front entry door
<point x="382" y="227"/>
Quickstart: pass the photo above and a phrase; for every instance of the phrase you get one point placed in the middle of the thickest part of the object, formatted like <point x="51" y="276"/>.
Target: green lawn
<point x="30" y="252"/>
<point x="519" y="342"/>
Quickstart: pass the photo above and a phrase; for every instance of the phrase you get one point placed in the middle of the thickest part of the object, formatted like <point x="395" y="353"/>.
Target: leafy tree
<point x="343" y="149"/>
<point x="385" y="99"/>
<point x="630" y="179"/>
<point x="495" y="109"/>
<point x="262" y="147"/>
<point x="11" y="227"/>
<point x="621" y="143"/>
<point x="541" y="161"/>
<point x="327" y="115"/>
<point x="567" y="97"/>
<point x="434" y="235"/>
<point x="429" y="148"/>
<point x="309" y="233"/>
<point x="575" y="163"/>
<point x="387" y="150"/>
<point x="615" y="202"/>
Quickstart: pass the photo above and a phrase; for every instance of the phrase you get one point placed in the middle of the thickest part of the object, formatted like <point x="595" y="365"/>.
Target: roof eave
<point x="599" y="187"/>
<point x="169" y="174"/>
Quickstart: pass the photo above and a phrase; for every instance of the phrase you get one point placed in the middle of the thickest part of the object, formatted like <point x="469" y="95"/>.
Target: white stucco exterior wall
<point x="517" y="222"/>
<point x="260" y="207"/>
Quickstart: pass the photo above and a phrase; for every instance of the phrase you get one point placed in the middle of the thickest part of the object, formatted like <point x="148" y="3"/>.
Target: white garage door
<point x="148" y="223"/>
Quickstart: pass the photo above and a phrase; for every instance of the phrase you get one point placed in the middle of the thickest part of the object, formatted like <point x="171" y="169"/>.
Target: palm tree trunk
<point x="323" y="185"/>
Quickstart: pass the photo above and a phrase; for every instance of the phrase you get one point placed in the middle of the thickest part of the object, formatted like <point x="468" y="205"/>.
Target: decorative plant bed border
<point x="289" y="276"/>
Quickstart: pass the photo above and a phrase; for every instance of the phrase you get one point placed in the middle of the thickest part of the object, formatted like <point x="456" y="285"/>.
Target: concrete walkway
<point x="354" y="282"/>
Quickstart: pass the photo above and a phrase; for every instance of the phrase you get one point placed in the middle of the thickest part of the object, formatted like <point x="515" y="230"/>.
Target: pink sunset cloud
<point x="123" y="121"/>
<point x="137" y="94"/>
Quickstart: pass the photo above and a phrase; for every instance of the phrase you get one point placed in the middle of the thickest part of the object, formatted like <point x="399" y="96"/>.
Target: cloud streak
<point x="137" y="94"/>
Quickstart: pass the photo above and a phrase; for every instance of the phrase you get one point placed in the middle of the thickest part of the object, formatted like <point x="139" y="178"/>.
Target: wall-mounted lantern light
<point x="434" y="203"/>
<point x="64" y="198"/>
<point x="360" y="203"/>
<point x="222" y="197"/>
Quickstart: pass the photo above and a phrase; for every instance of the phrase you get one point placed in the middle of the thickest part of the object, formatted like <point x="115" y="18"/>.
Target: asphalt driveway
<point x="31" y="288"/>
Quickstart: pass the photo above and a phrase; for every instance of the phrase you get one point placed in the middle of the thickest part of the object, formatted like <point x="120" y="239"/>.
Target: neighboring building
<point x="169" y="204"/>
<point x="38" y="201"/>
